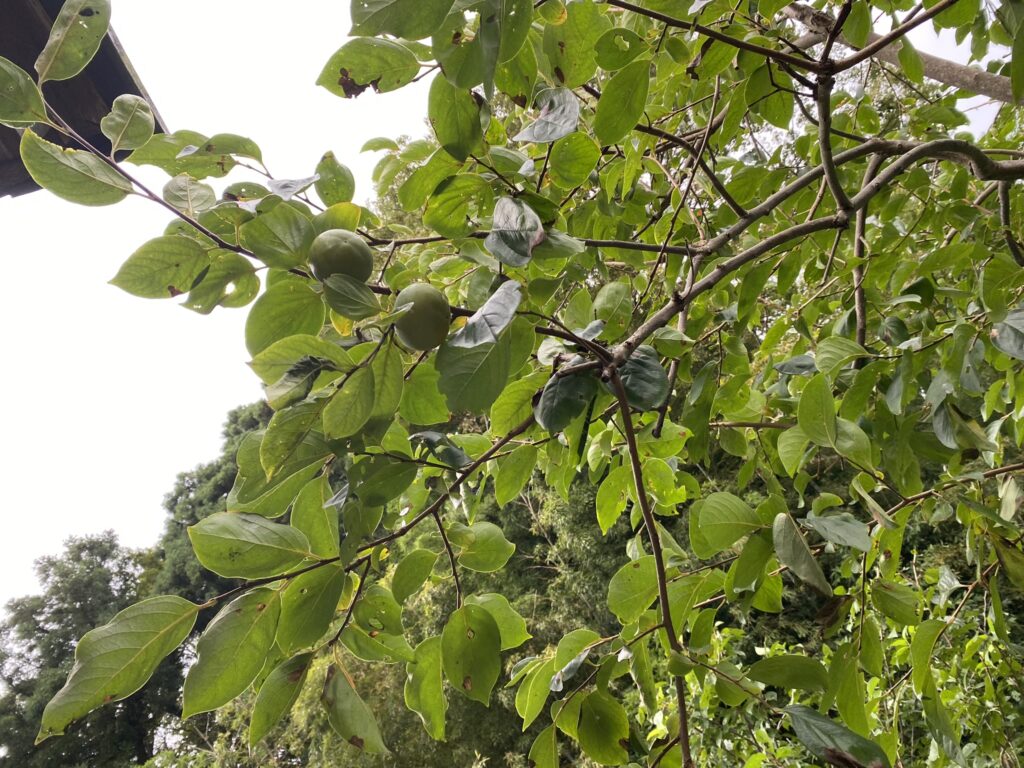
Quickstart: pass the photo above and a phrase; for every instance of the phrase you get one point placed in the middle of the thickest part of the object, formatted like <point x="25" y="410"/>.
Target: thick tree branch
<point x="941" y="70"/>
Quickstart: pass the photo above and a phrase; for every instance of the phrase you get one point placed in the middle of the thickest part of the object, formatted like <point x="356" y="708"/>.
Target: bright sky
<point x="108" y="397"/>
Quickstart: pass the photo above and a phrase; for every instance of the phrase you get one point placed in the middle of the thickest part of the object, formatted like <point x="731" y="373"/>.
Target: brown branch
<point x="451" y="558"/>
<point x="659" y="557"/>
<point x="889" y="38"/>
<point x="1004" y="220"/>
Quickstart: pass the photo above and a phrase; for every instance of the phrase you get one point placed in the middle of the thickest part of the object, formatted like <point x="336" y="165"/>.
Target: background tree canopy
<point x="669" y="397"/>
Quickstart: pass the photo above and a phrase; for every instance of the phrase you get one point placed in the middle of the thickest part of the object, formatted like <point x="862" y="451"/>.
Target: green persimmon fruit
<point x="338" y="250"/>
<point x="425" y="325"/>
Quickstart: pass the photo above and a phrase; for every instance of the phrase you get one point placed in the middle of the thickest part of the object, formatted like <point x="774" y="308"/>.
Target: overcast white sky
<point x="108" y="397"/>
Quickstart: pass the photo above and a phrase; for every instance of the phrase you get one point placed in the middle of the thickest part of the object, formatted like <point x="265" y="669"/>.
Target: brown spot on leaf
<point x="356" y="742"/>
<point x="519" y="100"/>
<point x="295" y="675"/>
<point x="348" y="85"/>
<point x="261" y="607"/>
<point x="457" y="37"/>
<point x="87" y="12"/>
<point x="470" y="633"/>
<point x="467" y="683"/>
<point x="559" y="74"/>
<point x="173" y="291"/>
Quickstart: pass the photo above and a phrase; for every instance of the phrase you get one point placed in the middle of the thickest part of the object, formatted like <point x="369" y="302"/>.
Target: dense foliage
<point x="737" y="267"/>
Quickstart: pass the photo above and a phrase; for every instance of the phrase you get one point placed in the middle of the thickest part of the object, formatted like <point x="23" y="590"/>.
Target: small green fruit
<point x="338" y="250"/>
<point x="425" y="325"/>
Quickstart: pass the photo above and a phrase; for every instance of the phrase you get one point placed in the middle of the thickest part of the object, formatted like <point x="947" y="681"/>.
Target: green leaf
<point x="162" y="268"/>
<point x="515" y="404"/>
<point x="573" y="158"/>
<point x="247" y="546"/>
<point x="725" y="519"/>
<point x="622" y="102"/>
<point x="612" y="496"/>
<point x="614" y="305"/>
<point x="232" y="651"/>
<point x="229" y="281"/>
<point x="1017" y="65"/>
<point x="317" y="519"/>
<point x="1012" y="560"/>
<point x="511" y="626"/>
<point x="854" y="444"/>
<point x="563" y="399"/>
<point x="114" y="661"/>
<point x="617" y="47"/>
<point x="454" y="115"/>
<point x="367" y="62"/>
<point x="277" y="695"/>
<point x="632" y="589"/>
<point x="559" y="116"/>
<point x="896" y="601"/>
<point x="792" y="446"/>
<point x="570" y="46"/>
<point x="20" y="99"/>
<point x="78" y="177"/>
<point x="790" y="671"/>
<point x="793" y="552"/>
<point x="411" y="573"/>
<point x="513" y="473"/>
<point x="279" y="238"/>
<point x="286" y="432"/>
<point x="351" y="406"/>
<point x="409" y="19"/>
<point x="858" y="23"/>
<point x="253" y="492"/>
<point x="308" y="605"/>
<point x="348" y="713"/>
<point x="472" y="379"/>
<point x="816" y="412"/>
<point x="74" y="39"/>
<point x="483" y="546"/>
<point x="830" y="741"/>
<point x="349" y="297"/>
<point x="453" y="206"/>
<point x="335" y="182"/>
<point x="471" y="652"/>
<point x="544" y="752"/>
<point x="644" y="379"/>
<point x="603" y="729"/>
<point x="286" y="309"/>
<point x="842" y="528"/>
<point x="422" y="402"/>
<point x="130" y="123"/>
<point x="834" y="352"/>
<point x="424" y="693"/>
<point x="910" y="61"/>
<point x="533" y="692"/>
<point x="921" y="649"/>
<point x="276" y="360"/>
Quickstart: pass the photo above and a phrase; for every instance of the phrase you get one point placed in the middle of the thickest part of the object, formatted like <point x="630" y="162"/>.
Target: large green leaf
<point x="247" y="546"/>
<point x="790" y="671"/>
<point x="308" y="605"/>
<point x="409" y="19"/>
<point x="472" y="379"/>
<point x="232" y="651"/>
<point x="279" y="238"/>
<point x="515" y="231"/>
<point x="482" y="546"/>
<point x="633" y="588"/>
<point x="79" y="177"/>
<point x="20" y="99"/>
<point x="368" y="62"/>
<point x="830" y="741"/>
<point x="571" y="46"/>
<point x="424" y="693"/>
<point x="113" y="661"/>
<point x="816" y="412"/>
<point x="603" y="729"/>
<point x="317" y="518"/>
<point x="471" y="652"/>
<point x="533" y="692"/>
<point x="162" y="268"/>
<point x="573" y="158"/>
<point x="74" y="39"/>
<point x="454" y="115"/>
<point x="285" y="309"/>
<point x="130" y="123"/>
<point x="411" y="573"/>
<point x="559" y="116"/>
<point x="511" y="626"/>
<point x="622" y="102"/>
<point x="725" y="519"/>
<point x="793" y="552"/>
<point x="277" y="695"/>
<point x="348" y="713"/>
<point x="563" y="399"/>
